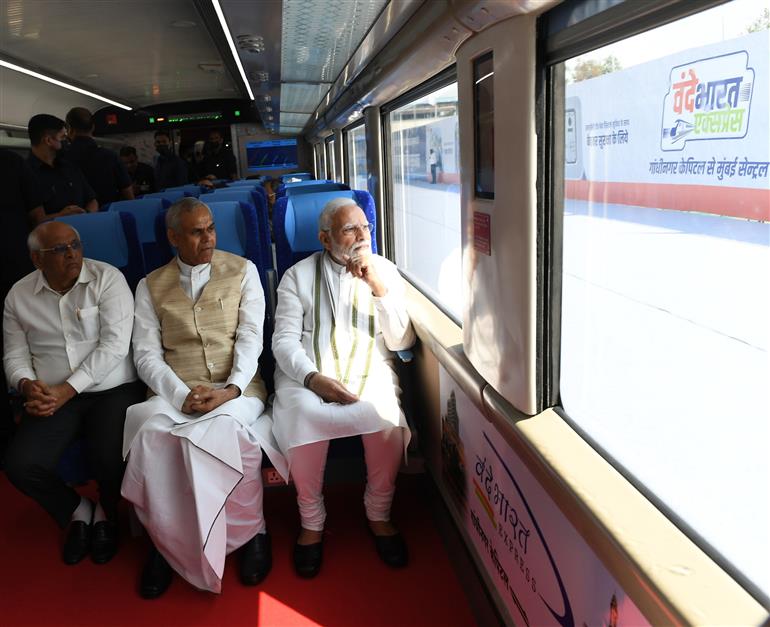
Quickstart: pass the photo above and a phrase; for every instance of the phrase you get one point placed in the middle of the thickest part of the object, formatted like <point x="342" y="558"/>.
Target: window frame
<point x="591" y="29"/>
<point x="439" y="81"/>
<point x="484" y="195"/>
<point x="320" y="150"/>
<point x="331" y="174"/>
<point x="345" y="152"/>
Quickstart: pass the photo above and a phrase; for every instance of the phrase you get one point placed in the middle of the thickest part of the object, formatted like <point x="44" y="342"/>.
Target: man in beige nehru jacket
<point x="195" y="447"/>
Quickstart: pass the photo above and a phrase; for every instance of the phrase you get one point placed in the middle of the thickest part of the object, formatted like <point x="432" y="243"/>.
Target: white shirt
<point x="291" y="338"/>
<point x="148" y="346"/>
<point x="303" y="331"/>
<point x="82" y="337"/>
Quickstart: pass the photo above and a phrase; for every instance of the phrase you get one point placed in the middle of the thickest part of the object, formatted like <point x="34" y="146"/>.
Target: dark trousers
<point x="39" y="443"/>
<point x="433" y="167"/>
<point x="7" y="424"/>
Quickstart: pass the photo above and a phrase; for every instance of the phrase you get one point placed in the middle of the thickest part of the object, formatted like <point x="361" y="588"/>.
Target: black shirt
<point x="20" y="195"/>
<point x="170" y="171"/>
<point x="143" y="179"/>
<point x="60" y="185"/>
<point x="221" y="164"/>
<point x="102" y="168"/>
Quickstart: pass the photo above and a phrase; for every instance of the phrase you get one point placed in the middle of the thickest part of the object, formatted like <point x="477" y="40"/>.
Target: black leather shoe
<point x="77" y="543"/>
<point x="392" y="550"/>
<point x="104" y="541"/>
<point x="156" y="576"/>
<point x="307" y="559"/>
<point x="255" y="560"/>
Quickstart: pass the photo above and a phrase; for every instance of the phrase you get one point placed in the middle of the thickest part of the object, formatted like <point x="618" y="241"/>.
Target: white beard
<point x="354" y="252"/>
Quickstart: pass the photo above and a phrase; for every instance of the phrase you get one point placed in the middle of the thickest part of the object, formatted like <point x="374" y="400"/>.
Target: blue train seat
<point x="145" y="210"/>
<point x="244" y="183"/>
<point x="259" y="202"/>
<point x="187" y="190"/>
<point x="323" y="186"/>
<point x="303" y="182"/>
<point x="296" y="176"/>
<point x="253" y="186"/>
<point x="295" y="221"/>
<point x="172" y="195"/>
<point x="236" y="224"/>
<point x="111" y="236"/>
<point x="284" y="187"/>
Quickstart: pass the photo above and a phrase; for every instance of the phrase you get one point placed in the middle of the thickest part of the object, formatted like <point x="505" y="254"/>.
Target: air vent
<point x="251" y="43"/>
<point x="259" y="76"/>
<point x="212" y="68"/>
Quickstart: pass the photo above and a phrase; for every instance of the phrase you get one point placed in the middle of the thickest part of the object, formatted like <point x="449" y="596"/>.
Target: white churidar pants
<point x="196" y="485"/>
<point x="383" y="452"/>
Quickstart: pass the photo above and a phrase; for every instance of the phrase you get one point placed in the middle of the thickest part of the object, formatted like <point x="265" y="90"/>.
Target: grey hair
<point x="185" y="205"/>
<point x="33" y="239"/>
<point x="331" y="208"/>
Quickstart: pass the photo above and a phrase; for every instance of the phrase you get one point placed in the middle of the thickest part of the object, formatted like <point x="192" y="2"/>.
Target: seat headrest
<point x="173" y="195"/>
<point x="302" y="218"/>
<point x="312" y="182"/>
<point x="144" y="211"/>
<point x="229" y="193"/>
<point x="230" y="226"/>
<point x="102" y="236"/>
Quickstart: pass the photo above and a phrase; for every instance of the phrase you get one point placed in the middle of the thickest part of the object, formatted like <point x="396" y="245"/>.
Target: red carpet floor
<point x="354" y="588"/>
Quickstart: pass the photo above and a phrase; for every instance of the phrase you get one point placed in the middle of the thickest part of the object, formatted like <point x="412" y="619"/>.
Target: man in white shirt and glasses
<point x="195" y="447"/>
<point x="340" y="314"/>
<point x="67" y="336"/>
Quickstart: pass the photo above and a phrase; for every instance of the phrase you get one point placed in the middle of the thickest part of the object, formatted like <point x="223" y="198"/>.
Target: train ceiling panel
<point x="302" y="97"/>
<point x="147" y="52"/>
<point x="294" y="119"/>
<point x="319" y="36"/>
<point x="139" y="52"/>
<point x="292" y="51"/>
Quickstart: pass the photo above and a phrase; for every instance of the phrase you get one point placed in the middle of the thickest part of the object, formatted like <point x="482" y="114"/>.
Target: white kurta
<point x="195" y="480"/>
<point x="327" y="320"/>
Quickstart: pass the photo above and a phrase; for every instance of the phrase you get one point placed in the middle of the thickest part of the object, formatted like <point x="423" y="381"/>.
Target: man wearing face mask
<point x="61" y="184"/>
<point x="104" y="172"/>
<point x="340" y="314"/>
<point x="142" y="175"/>
<point x="219" y="162"/>
<point x="170" y="169"/>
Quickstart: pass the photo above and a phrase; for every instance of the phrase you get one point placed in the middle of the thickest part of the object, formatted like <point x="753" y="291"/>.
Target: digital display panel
<point x="277" y="154"/>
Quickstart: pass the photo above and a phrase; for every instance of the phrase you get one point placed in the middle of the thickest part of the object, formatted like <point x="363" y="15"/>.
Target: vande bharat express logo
<point x="707" y="99"/>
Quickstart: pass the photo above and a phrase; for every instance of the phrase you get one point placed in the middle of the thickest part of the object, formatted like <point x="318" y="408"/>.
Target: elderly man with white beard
<point x="341" y="312"/>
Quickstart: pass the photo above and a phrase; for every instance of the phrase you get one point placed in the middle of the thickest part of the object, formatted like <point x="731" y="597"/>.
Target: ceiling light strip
<point x="43" y="77"/>
<point x="223" y="23"/>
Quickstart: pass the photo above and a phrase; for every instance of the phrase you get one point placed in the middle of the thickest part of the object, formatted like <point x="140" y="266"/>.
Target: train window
<point x="320" y="151"/>
<point x="484" y="131"/>
<point x="331" y="170"/>
<point x="425" y="195"/>
<point x="665" y="272"/>
<point x="356" y="146"/>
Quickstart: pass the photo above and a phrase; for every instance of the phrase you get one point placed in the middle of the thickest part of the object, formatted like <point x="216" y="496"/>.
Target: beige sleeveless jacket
<point x="199" y="338"/>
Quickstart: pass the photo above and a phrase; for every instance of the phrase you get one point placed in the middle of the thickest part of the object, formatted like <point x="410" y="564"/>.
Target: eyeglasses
<point x="62" y="249"/>
<point x="349" y="229"/>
